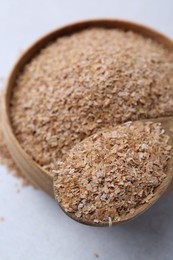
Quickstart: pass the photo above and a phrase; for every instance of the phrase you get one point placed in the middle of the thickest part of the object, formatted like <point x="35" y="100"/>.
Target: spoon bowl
<point x="72" y="168"/>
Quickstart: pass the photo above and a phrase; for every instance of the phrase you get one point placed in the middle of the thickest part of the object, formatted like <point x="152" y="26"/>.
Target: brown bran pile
<point x="110" y="174"/>
<point x="87" y="81"/>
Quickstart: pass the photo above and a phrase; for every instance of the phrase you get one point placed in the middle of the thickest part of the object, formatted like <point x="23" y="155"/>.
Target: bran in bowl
<point x="82" y="83"/>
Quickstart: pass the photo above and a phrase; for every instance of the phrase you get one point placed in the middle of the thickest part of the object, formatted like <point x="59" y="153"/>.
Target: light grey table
<point x="34" y="227"/>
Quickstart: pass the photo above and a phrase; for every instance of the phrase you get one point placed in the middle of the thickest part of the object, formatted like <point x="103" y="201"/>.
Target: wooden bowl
<point x="30" y="168"/>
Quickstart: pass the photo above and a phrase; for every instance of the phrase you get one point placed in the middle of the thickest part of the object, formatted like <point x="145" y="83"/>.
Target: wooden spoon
<point x="167" y="125"/>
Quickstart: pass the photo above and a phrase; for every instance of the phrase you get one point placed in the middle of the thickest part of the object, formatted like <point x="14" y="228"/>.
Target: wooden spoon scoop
<point x="116" y="174"/>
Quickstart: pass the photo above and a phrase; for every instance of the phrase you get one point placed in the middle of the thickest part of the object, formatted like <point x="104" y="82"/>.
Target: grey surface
<point x="34" y="227"/>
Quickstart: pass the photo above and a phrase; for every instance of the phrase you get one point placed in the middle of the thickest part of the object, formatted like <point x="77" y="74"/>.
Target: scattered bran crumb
<point x="110" y="174"/>
<point x="6" y="159"/>
<point x="96" y="255"/>
<point x="2" y="219"/>
<point x="81" y="83"/>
